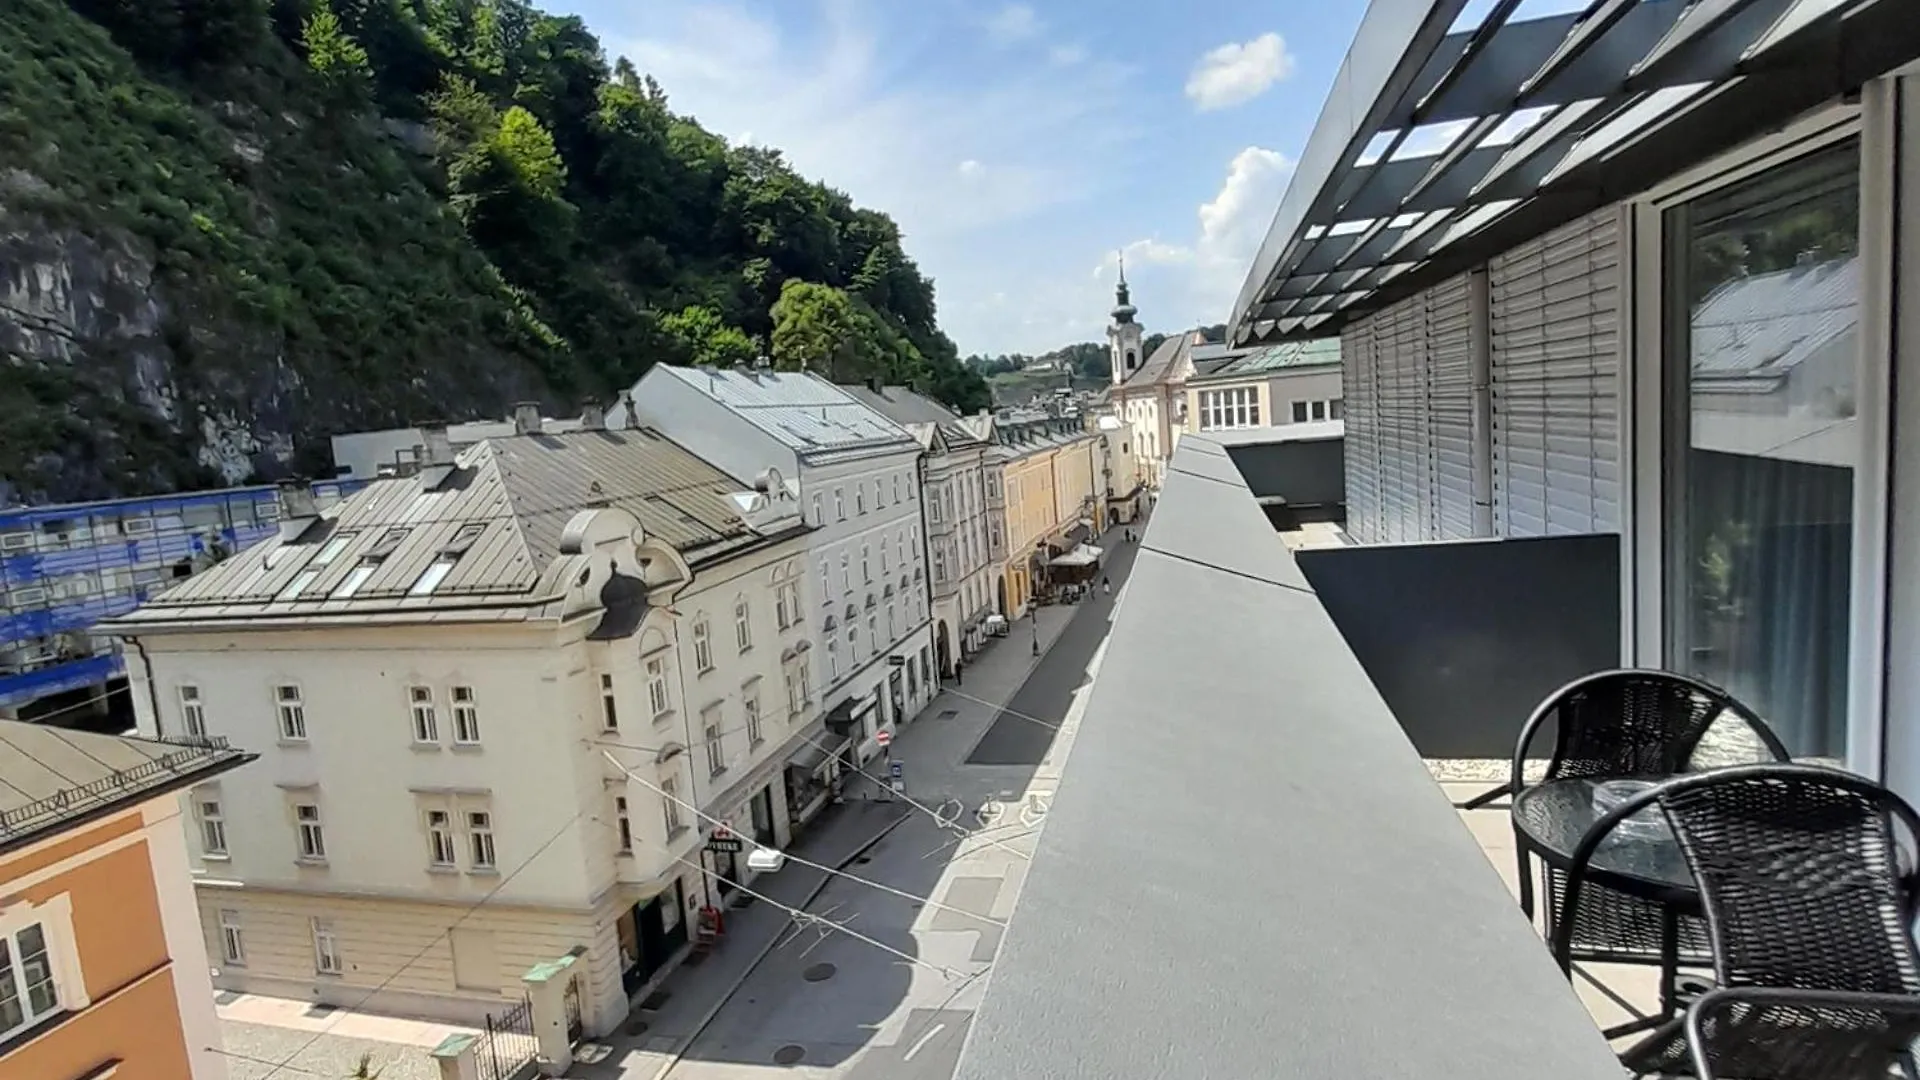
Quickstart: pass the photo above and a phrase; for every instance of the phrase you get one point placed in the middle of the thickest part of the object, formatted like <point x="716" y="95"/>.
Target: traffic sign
<point x="883" y="738"/>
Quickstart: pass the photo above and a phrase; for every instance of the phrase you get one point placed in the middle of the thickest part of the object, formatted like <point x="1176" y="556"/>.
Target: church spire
<point x="1123" y="309"/>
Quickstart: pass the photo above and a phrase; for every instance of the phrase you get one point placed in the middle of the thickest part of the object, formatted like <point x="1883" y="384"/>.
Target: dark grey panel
<point x="1463" y="640"/>
<point x="1303" y="473"/>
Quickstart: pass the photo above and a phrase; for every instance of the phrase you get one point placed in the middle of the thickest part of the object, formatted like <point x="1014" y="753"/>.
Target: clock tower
<point x="1123" y="334"/>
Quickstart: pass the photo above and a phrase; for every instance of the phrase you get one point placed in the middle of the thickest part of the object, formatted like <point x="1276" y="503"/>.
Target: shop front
<point x="812" y="776"/>
<point x="651" y="933"/>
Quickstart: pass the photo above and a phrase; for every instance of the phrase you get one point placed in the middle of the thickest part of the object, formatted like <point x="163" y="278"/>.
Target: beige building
<point x="509" y="677"/>
<point x="102" y="968"/>
<point x="1294" y="382"/>
<point x="1054" y="477"/>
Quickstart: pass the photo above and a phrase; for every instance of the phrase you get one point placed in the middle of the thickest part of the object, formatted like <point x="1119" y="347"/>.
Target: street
<point x="984" y="758"/>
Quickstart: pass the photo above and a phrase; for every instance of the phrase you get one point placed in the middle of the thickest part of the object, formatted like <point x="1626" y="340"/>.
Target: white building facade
<point x="509" y="695"/>
<point x="856" y="476"/>
<point x="964" y="560"/>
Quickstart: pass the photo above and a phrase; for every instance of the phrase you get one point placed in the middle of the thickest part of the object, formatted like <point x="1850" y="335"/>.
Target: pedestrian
<point x="1106" y="586"/>
<point x="957" y="680"/>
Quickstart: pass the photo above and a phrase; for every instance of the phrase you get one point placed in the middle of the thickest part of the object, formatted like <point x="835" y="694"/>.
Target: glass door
<point x="1761" y="323"/>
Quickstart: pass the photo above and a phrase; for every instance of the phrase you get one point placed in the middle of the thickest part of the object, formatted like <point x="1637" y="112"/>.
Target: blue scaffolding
<point x="64" y="568"/>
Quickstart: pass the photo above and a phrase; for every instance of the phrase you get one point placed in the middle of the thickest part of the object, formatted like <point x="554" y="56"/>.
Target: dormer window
<point x="446" y="559"/>
<point x="377" y="554"/>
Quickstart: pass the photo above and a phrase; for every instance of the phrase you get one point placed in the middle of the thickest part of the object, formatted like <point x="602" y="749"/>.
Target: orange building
<point x="103" y="970"/>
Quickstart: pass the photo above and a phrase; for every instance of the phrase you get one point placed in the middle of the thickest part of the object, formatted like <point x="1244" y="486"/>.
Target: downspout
<point x="1480" y="358"/>
<point x="146" y="671"/>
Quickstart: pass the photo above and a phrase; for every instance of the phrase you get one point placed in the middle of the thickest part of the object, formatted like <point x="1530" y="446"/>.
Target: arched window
<point x="1132" y="359"/>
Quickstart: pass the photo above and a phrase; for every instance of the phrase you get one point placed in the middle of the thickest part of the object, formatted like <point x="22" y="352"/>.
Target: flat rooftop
<point x="1248" y="870"/>
<point x="53" y="778"/>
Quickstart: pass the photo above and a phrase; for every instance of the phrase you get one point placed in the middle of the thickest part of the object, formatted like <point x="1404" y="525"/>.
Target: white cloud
<point x="1149" y="252"/>
<point x="971" y="167"/>
<point x="1239" y="72"/>
<point x="1067" y="55"/>
<point x="1014" y="22"/>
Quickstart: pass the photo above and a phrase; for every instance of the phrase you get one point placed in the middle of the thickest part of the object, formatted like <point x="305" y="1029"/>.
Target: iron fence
<point x="506" y="1047"/>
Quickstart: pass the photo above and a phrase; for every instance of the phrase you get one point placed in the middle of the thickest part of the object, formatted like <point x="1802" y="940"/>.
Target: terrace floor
<point x="1636" y="986"/>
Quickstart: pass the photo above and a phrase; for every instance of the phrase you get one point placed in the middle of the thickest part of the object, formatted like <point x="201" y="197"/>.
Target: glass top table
<point x="1552" y="818"/>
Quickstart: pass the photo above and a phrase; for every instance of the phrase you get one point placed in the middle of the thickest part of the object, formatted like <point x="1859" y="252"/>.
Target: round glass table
<point x="1640" y="857"/>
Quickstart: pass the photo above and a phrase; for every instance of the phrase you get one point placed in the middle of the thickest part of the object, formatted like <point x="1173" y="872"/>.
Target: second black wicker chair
<point x="1629" y="723"/>
<point x="1808" y="901"/>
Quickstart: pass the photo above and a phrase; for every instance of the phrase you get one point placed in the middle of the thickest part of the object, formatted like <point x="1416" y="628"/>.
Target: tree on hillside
<point x="707" y="339"/>
<point x="335" y="57"/>
<point x="815" y="329"/>
<point x="528" y="148"/>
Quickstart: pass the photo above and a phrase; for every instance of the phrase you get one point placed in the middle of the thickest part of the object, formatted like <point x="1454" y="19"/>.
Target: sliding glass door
<point x="1761" y="317"/>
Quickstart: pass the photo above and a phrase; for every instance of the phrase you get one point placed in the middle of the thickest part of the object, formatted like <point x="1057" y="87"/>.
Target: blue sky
<point x="1019" y="145"/>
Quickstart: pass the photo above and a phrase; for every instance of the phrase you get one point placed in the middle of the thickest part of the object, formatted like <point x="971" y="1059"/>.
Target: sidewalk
<point x="649" y="1043"/>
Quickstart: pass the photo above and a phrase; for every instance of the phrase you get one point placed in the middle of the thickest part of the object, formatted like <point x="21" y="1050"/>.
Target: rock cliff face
<point x="198" y="291"/>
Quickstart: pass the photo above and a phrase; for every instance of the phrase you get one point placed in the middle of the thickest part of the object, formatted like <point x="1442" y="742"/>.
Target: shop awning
<point x="1080" y="556"/>
<point x="815" y="754"/>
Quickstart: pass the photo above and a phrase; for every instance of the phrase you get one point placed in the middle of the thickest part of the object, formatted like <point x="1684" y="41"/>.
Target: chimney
<point x="875" y="383"/>
<point x="297" y="509"/>
<point x="624" y="402"/>
<point x="436" y="447"/>
<point x="526" y="418"/>
<point x="593" y="416"/>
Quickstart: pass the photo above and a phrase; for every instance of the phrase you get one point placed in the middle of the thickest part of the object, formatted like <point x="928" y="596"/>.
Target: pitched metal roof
<point x="1447" y="139"/>
<point x="51" y="778"/>
<point x="1160" y="362"/>
<point x="1286" y="354"/>
<point x="496" y="518"/>
<point x="1767" y="324"/>
<point x="915" y="411"/>
<point x="804" y="412"/>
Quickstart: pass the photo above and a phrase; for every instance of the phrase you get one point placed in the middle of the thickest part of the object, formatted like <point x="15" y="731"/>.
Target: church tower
<point x="1123" y="335"/>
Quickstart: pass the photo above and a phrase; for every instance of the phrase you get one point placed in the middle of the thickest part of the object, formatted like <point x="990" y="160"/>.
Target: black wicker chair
<point x="1808" y="900"/>
<point x="1626" y="723"/>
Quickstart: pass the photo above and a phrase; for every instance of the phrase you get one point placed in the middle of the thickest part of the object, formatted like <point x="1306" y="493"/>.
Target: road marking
<point x="922" y="1041"/>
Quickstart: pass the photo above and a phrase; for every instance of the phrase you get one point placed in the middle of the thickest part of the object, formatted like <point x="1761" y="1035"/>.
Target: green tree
<point x="815" y="328"/>
<point x="706" y="339"/>
<point x="335" y="57"/>
<point x="528" y="149"/>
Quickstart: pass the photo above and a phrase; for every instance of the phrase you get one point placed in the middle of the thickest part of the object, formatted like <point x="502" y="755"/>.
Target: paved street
<point x="984" y="759"/>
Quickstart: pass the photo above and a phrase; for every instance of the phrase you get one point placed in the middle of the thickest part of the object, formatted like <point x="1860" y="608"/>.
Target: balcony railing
<point x="1249" y="857"/>
<point x="195" y="753"/>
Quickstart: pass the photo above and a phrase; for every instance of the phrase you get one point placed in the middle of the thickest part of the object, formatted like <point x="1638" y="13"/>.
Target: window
<point x="833" y="658"/>
<point x="933" y="509"/>
<point x="795" y="699"/>
<point x="873" y="629"/>
<point x="939" y="565"/>
<point x="657" y="687"/>
<point x="839" y="505"/>
<point x="846" y="575"/>
<point x="609" y="711"/>
<point x="1234" y="407"/>
<point x="896" y="489"/>
<point x="806" y="682"/>
<point x="853" y="643"/>
<point x="1319" y="410"/>
<point x="466" y="716"/>
<point x="879" y="500"/>
<point x="819" y="517"/>
<point x="780" y="606"/>
<point x="1760" y="534"/>
<point x="750" y="701"/>
<point x="893" y="629"/>
<point x="293" y="714"/>
<point x="742" y="625"/>
<point x="213" y="827"/>
<point x="900" y="547"/>
<point x="1299" y="412"/>
<point x="702" y="645"/>
<point x="859" y="499"/>
<point x="440" y="849"/>
<point x="426" y="726"/>
<point x="356" y="577"/>
<point x="716" y="742"/>
<point x="193" y="713"/>
<point x="1335" y="409"/>
<point x="435" y="573"/>
<point x="866" y="564"/>
<point x="623" y="824"/>
<point x="326" y="950"/>
<point x="233" y="941"/>
<point x="883" y="557"/>
<point x="313" y="842"/>
<point x="480" y="839"/>
<point x="793" y="604"/>
<point x="826" y="585"/>
<point x="670" y="805"/>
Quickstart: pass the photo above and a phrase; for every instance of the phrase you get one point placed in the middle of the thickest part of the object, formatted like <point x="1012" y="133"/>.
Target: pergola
<point x="1447" y="139"/>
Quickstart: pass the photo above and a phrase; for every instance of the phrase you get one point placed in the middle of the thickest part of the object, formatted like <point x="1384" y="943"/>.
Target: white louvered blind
<point x="1450" y="407"/>
<point x="1361" y="450"/>
<point x="1555" y="368"/>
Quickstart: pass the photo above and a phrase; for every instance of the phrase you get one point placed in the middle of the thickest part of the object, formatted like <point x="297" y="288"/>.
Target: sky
<point x="1019" y="145"/>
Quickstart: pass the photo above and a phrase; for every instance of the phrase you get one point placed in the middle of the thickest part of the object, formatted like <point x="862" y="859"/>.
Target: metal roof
<point x="1280" y="357"/>
<point x="51" y="777"/>
<point x="919" y="414"/>
<point x="1767" y="324"/>
<point x="806" y="413"/>
<point x="1447" y="139"/>
<point x="497" y="517"/>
